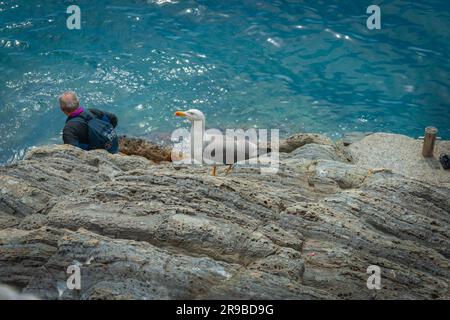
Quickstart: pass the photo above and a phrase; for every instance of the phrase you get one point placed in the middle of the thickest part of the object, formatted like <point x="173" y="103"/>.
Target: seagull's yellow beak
<point x="180" y="114"/>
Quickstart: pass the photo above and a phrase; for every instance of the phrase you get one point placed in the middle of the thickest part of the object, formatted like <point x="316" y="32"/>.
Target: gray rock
<point x="314" y="151"/>
<point x="140" y="230"/>
<point x="351" y="137"/>
<point x="299" y="140"/>
<point x="8" y="293"/>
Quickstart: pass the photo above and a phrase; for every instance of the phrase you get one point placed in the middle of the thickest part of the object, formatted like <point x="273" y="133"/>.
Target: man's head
<point x="68" y="102"/>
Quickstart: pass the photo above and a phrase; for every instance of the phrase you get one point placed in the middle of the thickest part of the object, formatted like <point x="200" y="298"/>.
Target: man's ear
<point x="63" y="111"/>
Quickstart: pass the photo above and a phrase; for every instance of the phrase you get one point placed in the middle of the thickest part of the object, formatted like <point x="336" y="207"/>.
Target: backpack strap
<point x="82" y="119"/>
<point x="86" y="115"/>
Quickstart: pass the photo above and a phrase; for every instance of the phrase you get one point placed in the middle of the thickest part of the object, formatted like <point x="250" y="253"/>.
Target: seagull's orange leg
<point x="214" y="173"/>
<point x="229" y="169"/>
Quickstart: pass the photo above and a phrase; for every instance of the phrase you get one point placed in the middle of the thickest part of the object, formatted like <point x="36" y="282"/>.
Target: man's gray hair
<point x="69" y="101"/>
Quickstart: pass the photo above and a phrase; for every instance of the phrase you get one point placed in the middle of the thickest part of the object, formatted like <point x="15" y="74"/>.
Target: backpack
<point x="101" y="133"/>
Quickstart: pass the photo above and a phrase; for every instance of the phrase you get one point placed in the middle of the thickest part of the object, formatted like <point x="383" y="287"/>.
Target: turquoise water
<point x="292" y="65"/>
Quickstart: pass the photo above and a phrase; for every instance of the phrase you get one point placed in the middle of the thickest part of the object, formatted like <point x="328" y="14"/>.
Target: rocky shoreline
<point x="142" y="229"/>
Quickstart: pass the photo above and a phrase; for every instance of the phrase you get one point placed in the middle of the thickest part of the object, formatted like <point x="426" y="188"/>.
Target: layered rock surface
<point x="140" y="230"/>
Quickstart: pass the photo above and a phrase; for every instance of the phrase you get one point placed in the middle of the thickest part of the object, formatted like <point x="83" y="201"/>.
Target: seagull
<point x="213" y="140"/>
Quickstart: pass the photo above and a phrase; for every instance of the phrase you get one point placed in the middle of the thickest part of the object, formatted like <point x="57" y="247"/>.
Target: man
<point x="87" y="129"/>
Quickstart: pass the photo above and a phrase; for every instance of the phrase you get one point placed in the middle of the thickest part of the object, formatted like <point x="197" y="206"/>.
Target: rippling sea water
<point x="293" y="65"/>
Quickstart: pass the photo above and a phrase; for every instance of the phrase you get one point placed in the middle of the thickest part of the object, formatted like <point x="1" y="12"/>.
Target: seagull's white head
<point x="191" y="115"/>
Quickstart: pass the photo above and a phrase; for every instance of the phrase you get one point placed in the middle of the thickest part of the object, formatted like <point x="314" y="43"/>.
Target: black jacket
<point x="75" y="132"/>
